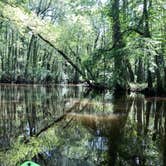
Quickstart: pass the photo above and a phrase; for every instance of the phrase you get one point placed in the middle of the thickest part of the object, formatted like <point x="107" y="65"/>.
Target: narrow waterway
<point x="71" y="126"/>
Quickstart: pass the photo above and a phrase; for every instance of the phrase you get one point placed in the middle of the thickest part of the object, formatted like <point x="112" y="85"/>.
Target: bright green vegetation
<point x="114" y="46"/>
<point x="95" y="131"/>
<point x="105" y="43"/>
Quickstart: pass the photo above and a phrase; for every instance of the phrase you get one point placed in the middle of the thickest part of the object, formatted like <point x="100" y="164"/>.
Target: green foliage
<point x="21" y="151"/>
<point x="85" y="32"/>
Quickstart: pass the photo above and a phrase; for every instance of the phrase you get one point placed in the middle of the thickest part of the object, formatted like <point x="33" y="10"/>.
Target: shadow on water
<point x="70" y="126"/>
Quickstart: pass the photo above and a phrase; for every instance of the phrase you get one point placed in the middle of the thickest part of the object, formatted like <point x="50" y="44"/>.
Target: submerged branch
<point x="57" y="119"/>
<point x="61" y="118"/>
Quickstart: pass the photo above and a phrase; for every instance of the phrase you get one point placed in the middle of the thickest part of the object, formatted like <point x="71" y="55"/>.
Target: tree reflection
<point x="124" y="130"/>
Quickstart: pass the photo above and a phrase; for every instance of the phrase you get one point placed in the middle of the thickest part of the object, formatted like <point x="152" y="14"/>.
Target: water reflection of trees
<point x="139" y="138"/>
<point x="26" y="109"/>
<point x="135" y="133"/>
<point x="143" y="134"/>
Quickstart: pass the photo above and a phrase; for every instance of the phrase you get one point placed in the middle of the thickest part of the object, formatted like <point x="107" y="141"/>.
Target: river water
<point x="73" y="126"/>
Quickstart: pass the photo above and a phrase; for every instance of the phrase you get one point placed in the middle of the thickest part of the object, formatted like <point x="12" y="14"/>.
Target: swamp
<point x="83" y="83"/>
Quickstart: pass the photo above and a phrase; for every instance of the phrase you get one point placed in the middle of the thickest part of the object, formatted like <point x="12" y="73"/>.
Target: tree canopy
<point x="106" y="43"/>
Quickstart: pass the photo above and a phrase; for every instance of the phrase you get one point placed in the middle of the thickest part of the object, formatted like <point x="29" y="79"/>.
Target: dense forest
<point x="83" y="82"/>
<point x="115" y="44"/>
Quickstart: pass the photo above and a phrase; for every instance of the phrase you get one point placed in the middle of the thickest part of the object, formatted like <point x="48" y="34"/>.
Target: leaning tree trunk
<point x="40" y="32"/>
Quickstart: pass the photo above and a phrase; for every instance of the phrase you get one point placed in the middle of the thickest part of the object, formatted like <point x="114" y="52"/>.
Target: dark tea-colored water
<point x="73" y="126"/>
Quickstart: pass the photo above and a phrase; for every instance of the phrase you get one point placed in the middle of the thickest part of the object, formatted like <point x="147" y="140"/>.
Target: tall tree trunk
<point x="130" y="70"/>
<point x="149" y="80"/>
<point x="158" y="75"/>
<point x="34" y="57"/>
<point x="146" y="19"/>
<point x="164" y="53"/>
<point x="120" y="72"/>
<point x="140" y="71"/>
<point x="76" y="74"/>
<point x="147" y="34"/>
<point x="28" y="54"/>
